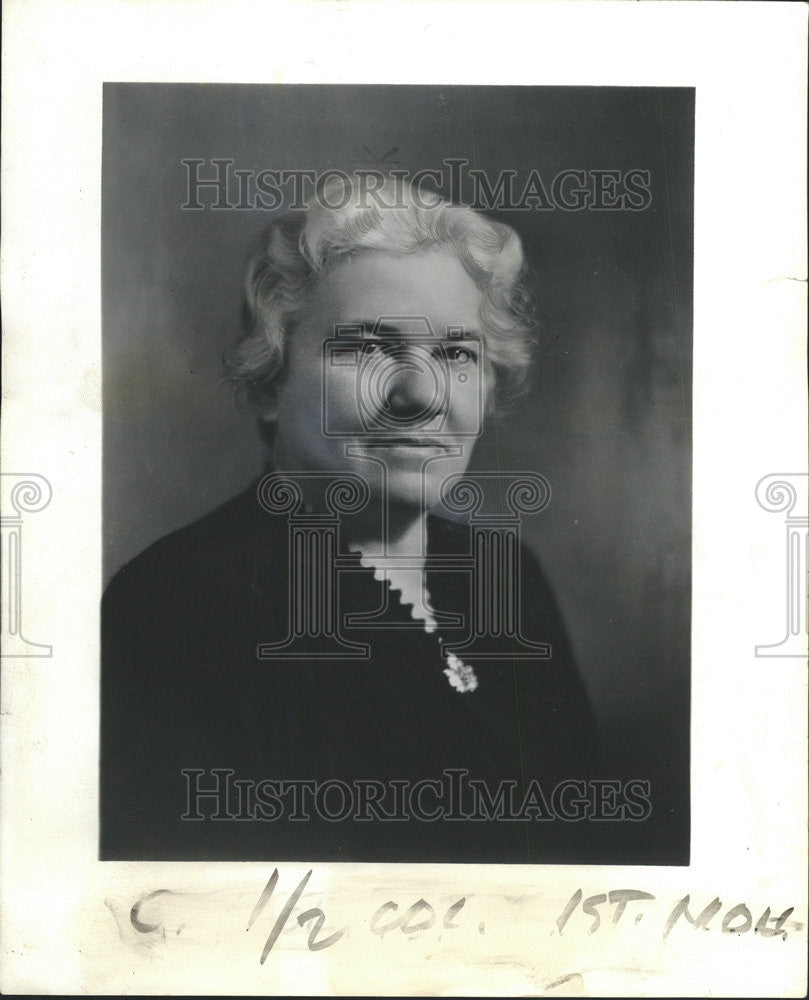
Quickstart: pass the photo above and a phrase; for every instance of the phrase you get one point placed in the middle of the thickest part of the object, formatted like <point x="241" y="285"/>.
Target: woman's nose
<point x="413" y="389"/>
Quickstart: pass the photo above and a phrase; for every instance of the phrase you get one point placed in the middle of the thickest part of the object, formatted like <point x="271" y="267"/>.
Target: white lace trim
<point x="459" y="674"/>
<point x="420" y="613"/>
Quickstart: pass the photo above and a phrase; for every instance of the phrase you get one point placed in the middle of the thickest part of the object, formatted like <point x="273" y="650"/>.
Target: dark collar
<point x="268" y="537"/>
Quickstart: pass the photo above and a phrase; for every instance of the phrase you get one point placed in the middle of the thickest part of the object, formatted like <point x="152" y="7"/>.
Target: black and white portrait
<point x="397" y="473"/>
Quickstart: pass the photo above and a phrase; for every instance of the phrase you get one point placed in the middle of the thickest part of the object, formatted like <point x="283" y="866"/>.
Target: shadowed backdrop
<point x="607" y="419"/>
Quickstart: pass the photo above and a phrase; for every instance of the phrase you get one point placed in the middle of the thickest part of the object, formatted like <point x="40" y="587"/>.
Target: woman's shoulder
<point x="218" y="543"/>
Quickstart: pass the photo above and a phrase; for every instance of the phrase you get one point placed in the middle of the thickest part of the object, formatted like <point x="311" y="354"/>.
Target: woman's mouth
<point x="406" y="441"/>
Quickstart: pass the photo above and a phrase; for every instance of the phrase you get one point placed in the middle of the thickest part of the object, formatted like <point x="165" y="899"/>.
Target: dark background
<point x="608" y="417"/>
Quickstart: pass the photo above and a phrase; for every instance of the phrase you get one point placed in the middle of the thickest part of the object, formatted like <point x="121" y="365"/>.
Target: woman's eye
<point x="460" y="355"/>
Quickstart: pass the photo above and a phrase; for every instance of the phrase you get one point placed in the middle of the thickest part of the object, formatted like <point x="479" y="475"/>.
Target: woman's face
<point x="386" y="365"/>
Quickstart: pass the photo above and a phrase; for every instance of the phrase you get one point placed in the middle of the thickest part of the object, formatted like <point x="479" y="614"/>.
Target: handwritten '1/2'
<point x="314" y="913"/>
<point x="416" y="918"/>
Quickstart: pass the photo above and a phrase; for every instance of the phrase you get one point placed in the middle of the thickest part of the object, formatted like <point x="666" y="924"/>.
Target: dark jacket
<point x="188" y="707"/>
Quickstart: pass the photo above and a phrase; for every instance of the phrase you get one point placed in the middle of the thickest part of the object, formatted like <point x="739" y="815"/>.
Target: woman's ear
<point x="489" y="390"/>
<point x="267" y="404"/>
<point x="266" y="421"/>
<point x="268" y="408"/>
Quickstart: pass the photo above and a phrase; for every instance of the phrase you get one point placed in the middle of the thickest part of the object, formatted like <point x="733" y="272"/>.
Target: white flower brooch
<point x="460" y="675"/>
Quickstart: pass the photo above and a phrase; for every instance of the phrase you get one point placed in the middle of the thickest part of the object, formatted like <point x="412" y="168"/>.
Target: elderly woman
<point x="297" y="677"/>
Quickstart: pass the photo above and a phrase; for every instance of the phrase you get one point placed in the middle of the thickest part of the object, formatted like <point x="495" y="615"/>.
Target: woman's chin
<point x="409" y="490"/>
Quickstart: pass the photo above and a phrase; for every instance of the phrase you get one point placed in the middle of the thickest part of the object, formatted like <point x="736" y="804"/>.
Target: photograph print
<point x="396" y="473"/>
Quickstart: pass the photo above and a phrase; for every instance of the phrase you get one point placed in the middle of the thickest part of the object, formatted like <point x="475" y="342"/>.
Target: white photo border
<point x="66" y="918"/>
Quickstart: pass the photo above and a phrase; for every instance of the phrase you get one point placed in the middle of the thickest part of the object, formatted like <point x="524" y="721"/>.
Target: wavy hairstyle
<point x="295" y="251"/>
